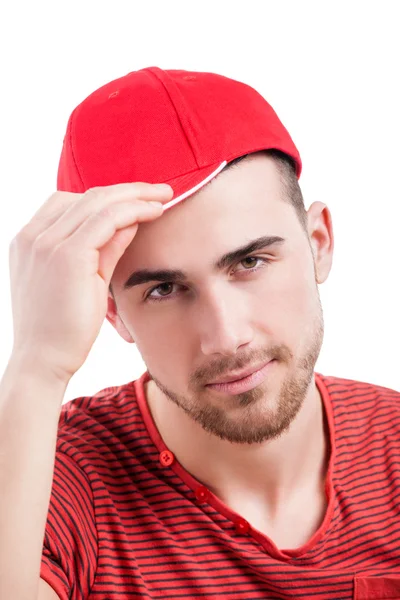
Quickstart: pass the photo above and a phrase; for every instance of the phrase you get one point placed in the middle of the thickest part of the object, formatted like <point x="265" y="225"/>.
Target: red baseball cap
<point x="166" y="126"/>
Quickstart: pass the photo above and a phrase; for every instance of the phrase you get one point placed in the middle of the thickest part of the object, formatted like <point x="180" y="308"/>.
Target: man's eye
<point x="260" y="262"/>
<point x="251" y="259"/>
<point x="162" y="291"/>
<point x="163" y="287"/>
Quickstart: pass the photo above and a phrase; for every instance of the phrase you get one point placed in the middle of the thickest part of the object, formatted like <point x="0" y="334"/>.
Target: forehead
<point x="243" y="203"/>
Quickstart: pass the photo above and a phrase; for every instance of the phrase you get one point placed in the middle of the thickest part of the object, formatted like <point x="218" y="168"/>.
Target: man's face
<point x="220" y="320"/>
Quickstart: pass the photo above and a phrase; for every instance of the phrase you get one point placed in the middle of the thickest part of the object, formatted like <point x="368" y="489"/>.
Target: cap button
<point x="166" y="458"/>
<point x="242" y="526"/>
<point x="202" y="494"/>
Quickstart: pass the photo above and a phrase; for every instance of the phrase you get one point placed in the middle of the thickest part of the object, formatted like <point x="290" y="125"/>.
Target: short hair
<point x="291" y="189"/>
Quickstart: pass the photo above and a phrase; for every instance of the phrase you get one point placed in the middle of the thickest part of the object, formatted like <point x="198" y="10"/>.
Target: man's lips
<point x="239" y="374"/>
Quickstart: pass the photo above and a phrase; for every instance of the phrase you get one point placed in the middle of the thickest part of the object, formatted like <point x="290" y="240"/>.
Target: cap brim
<point x="186" y="185"/>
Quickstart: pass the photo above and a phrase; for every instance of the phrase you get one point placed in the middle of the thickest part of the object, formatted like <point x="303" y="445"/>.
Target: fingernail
<point x="163" y="186"/>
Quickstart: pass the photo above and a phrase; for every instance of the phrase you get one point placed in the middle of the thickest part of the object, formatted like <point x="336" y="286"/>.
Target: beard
<point x="252" y="417"/>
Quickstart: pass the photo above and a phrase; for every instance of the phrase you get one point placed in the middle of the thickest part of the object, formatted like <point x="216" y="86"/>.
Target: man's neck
<point x="271" y="475"/>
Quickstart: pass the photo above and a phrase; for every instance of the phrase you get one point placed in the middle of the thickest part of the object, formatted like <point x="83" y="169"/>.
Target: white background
<point x="330" y="70"/>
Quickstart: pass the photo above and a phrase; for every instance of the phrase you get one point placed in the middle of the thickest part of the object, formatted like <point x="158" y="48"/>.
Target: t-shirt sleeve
<point x="69" y="556"/>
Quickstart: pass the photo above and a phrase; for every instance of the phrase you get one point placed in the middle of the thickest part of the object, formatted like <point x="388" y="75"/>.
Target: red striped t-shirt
<point x="126" y="521"/>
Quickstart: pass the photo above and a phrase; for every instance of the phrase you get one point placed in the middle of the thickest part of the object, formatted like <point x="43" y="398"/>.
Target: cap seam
<point x="150" y="69"/>
<point x="191" y="171"/>
<point x="71" y="146"/>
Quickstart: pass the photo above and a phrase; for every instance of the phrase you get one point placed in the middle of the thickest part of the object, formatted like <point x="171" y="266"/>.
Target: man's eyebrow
<point x="243" y="251"/>
<point x="177" y="276"/>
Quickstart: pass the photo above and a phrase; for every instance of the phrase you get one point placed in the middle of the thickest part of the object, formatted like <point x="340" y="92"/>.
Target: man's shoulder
<point x="99" y="420"/>
<point x="343" y="386"/>
<point x="108" y="402"/>
<point x="359" y="401"/>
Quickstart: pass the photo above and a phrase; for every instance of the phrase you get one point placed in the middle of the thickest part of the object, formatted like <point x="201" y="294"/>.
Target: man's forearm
<point x="30" y="402"/>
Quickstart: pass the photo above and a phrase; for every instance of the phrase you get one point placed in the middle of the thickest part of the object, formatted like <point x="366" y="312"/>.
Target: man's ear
<point x="113" y="317"/>
<point x="320" y="233"/>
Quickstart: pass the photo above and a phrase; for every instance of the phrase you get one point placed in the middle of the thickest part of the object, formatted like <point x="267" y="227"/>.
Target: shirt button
<point x="166" y="458"/>
<point x="242" y="526"/>
<point x="202" y="494"/>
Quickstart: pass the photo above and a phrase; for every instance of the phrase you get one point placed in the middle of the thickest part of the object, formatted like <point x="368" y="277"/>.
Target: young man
<point x="230" y="468"/>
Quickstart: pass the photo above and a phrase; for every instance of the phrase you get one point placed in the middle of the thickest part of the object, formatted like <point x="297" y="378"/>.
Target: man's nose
<point x="224" y="323"/>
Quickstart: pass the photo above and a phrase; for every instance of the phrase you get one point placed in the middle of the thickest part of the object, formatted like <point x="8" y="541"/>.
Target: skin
<point x="263" y="452"/>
